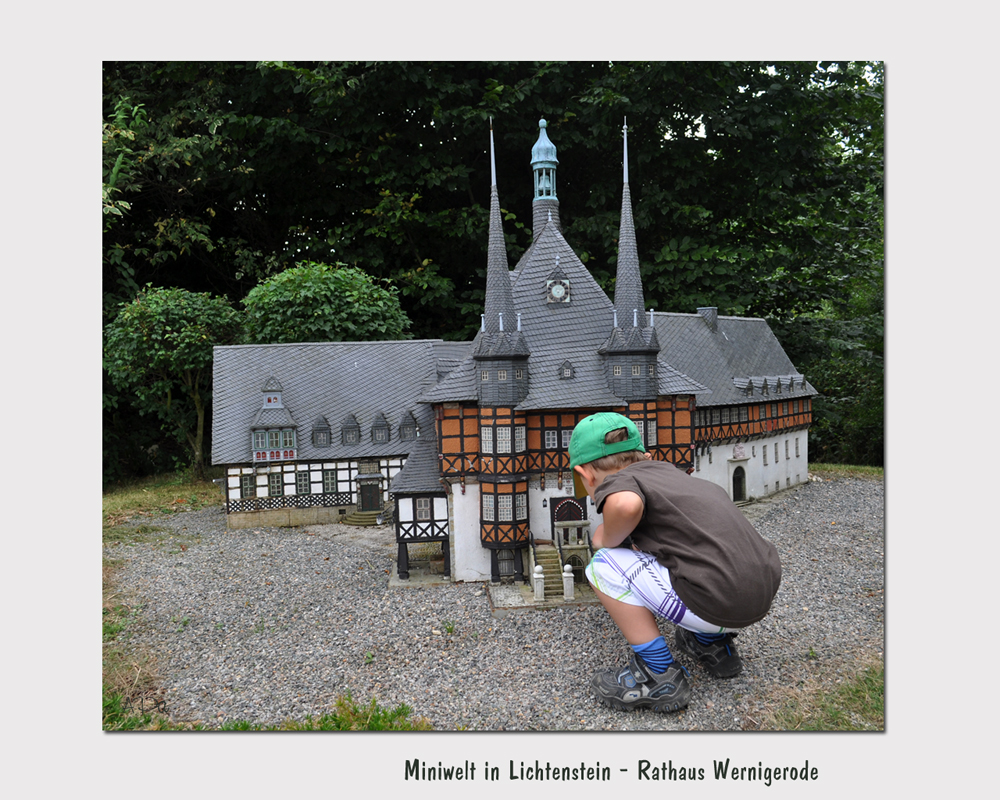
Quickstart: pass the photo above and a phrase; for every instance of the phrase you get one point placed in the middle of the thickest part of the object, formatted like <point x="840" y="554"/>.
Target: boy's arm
<point x="622" y="512"/>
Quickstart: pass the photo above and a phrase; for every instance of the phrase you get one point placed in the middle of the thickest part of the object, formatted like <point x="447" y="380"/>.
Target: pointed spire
<point x="628" y="283"/>
<point x="499" y="297"/>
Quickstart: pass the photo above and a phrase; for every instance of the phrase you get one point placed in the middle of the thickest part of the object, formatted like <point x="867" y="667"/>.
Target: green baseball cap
<point x="587" y="443"/>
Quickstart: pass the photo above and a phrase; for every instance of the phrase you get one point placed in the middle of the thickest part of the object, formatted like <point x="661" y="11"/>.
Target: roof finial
<point x="519" y="320"/>
<point x="616" y="319"/>
<point x="482" y="322"/>
<point x="625" y="138"/>
<point x="500" y="315"/>
<point x="635" y="317"/>
<point x="493" y="161"/>
<point x="651" y="318"/>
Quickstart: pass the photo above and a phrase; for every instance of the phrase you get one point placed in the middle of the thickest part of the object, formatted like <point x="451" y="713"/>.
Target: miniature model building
<point x="466" y="443"/>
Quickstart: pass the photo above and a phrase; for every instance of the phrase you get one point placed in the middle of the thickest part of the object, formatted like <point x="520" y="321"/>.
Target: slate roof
<point x="740" y="349"/>
<point x="422" y="472"/>
<point x="327" y="379"/>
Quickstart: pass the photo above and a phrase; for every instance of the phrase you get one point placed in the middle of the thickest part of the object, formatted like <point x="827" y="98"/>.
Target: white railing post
<point x="568" y="582"/>
<point x="539" y="583"/>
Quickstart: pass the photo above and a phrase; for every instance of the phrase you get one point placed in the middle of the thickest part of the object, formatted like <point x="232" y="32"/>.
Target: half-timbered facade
<point x="467" y="443"/>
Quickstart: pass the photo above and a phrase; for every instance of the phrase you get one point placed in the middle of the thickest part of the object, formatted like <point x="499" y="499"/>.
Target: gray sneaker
<point x="719" y="658"/>
<point x="637" y="686"/>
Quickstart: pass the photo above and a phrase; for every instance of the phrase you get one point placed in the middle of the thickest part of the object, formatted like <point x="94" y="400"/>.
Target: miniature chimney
<point x="711" y="317"/>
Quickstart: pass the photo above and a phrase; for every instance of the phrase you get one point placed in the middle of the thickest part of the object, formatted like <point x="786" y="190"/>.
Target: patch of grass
<point x="348" y="716"/>
<point x="857" y="704"/>
<point x="827" y="471"/>
<point x="160" y="494"/>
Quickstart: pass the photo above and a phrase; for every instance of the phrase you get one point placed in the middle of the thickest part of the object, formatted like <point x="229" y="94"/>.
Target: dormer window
<point x="408" y="428"/>
<point x="321" y="433"/>
<point x="350" y="431"/>
<point x="566" y="371"/>
<point x="380" y="430"/>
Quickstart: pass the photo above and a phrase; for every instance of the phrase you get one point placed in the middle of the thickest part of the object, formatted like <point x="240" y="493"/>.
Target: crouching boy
<point x="674" y="546"/>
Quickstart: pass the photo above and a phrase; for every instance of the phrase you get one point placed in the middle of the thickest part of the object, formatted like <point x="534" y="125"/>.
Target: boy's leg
<point x="650" y="679"/>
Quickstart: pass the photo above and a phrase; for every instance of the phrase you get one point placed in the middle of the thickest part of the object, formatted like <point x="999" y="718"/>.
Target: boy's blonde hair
<point x="617" y="461"/>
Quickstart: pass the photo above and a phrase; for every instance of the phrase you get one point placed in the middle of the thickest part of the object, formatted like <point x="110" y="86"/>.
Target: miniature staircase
<point x="368" y="519"/>
<point x="548" y="557"/>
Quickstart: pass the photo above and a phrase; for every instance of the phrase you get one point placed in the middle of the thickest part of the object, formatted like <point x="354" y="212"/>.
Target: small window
<point x="302" y="482"/>
<point x="796" y="446"/>
<point x="275" y="485"/>
<point x="486" y="439"/>
<point x="652" y="370"/>
<point x="566" y="436"/>
<point x="764" y="452"/>
<point x="651" y="433"/>
<point x="725" y="416"/>
<point x="636" y="369"/>
<point x="329" y="481"/>
<point x="616" y="369"/>
<point x="786" y="450"/>
<point x="501" y="374"/>
<point x="795" y="406"/>
<point x="321" y="438"/>
<point x="380" y="434"/>
<point x="551" y="440"/>
<point x="248" y="486"/>
<point x="716" y="416"/>
<point x="518" y="374"/>
<point x="488" y="508"/>
<point x="520" y="439"/>
<point x="774" y="410"/>
<point x="288" y="439"/>
<point x="744" y="414"/>
<point x="505" y="508"/>
<point x="260" y="440"/>
<point x="274" y="439"/>
<point x="423" y="509"/>
<point x="775" y="452"/>
<point x="503" y="438"/>
<point x="784" y="408"/>
<point x="484" y="376"/>
<point x="521" y="506"/>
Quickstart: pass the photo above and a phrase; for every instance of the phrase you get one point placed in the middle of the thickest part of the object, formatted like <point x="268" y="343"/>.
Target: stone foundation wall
<point x="285" y="517"/>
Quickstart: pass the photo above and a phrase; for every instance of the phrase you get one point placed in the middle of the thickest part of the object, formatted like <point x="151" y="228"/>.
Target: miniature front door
<point x="566" y="511"/>
<point x="739" y="485"/>
<point x="371" y="497"/>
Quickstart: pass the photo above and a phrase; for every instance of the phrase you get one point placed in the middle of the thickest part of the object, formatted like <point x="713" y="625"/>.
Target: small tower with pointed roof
<point x="632" y="348"/>
<point x="500" y="353"/>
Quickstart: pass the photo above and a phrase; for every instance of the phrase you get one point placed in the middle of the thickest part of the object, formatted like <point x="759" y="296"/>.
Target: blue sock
<point x="656" y="654"/>
<point x="708" y="638"/>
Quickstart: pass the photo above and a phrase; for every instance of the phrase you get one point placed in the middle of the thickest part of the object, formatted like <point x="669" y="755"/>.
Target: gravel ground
<point x="271" y="624"/>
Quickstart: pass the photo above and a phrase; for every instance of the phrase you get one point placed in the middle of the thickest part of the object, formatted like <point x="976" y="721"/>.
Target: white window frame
<point x="488" y="515"/>
<point x="520" y="438"/>
<point x="503" y="438"/>
<point x="505" y="508"/>
<point x="521" y="506"/>
<point x="422" y="510"/>
<point x="551" y="439"/>
<point x="566" y="436"/>
<point x="486" y="439"/>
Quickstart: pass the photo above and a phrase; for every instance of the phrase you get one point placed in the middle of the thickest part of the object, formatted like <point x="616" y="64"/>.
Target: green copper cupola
<point x="545" y="206"/>
<point x="544" y="163"/>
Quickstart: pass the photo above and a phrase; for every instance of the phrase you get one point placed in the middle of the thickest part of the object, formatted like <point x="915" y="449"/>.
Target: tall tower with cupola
<point x="500" y="352"/>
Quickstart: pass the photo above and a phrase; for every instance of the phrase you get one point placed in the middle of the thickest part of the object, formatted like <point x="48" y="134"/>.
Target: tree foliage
<point x="159" y="350"/>
<point x="757" y="186"/>
<point x="316" y="302"/>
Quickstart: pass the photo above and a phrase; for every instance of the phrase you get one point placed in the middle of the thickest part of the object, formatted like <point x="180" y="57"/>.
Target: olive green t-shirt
<point x="722" y="569"/>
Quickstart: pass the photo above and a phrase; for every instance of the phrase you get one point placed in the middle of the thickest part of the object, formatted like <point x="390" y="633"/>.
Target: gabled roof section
<point x="272" y="418"/>
<point x="557" y="332"/>
<point x="328" y="379"/>
<point x="727" y="359"/>
<point x="422" y="472"/>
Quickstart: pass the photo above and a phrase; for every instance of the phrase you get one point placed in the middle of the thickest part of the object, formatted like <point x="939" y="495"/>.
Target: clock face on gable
<point x="558" y="291"/>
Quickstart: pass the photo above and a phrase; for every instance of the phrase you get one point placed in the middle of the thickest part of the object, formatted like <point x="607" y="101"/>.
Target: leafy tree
<point x="316" y="302"/>
<point x="756" y="186"/>
<point x="159" y="349"/>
